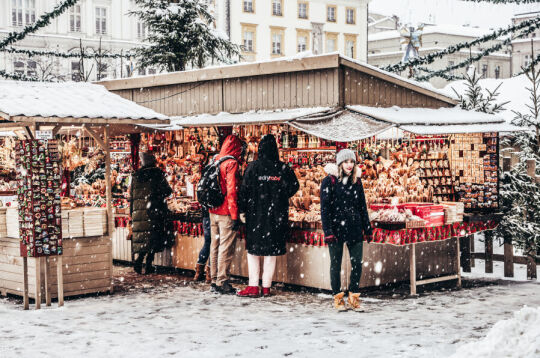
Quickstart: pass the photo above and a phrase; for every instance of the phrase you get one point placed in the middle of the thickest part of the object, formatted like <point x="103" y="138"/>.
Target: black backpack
<point x="209" y="192"/>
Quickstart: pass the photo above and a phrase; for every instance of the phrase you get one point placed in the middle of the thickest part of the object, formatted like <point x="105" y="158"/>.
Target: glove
<point x="330" y="239"/>
<point x="236" y="225"/>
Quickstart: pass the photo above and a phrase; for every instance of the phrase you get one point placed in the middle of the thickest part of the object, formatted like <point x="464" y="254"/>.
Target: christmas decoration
<point x="411" y="39"/>
<point x="180" y="35"/>
<point x="64" y="54"/>
<point x="429" y="58"/>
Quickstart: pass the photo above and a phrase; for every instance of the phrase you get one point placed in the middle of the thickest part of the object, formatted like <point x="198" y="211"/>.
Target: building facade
<point x="525" y="50"/>
<point x="267" y="29"/>
<point x="94" y="24"/>
<point x="385" y="48"/>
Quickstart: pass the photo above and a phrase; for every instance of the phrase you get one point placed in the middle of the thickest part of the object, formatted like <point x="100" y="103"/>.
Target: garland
<point x="64" y="55"/>
<point x="446" y="76"/>
<point x="477" y="57"/>
<point x="17" y="77"/>
<point x="506" y="1"/>
<point x="429" y="58"/>
<point x="527" y="69"/>
<point x="42" y="22"/>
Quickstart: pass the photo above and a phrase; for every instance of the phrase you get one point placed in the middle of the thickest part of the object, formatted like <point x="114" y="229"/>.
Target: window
<point x="248" y="6"/>
<point x="527" y="62"/>
<point x="302" y="40"/>
<point x="484" y="71"/>
<point x="350" y="46"/>
<point x="23" y="12"/>
<point x="303" y="8"/>
<point x="277" y="35"/>
<point x="141" y="31"/>
<point x="75" y="18"/>
<point x="450" y="64"/>
<point x="76" y="71"/>
<point x="277" y="6"/>
<point x="248" y="37"/>
<point x="351" y="15"/>
<point x="29" y="68"/>
<point x="497" y="71"/>
<point x="331" y="41"/>
<point x="151" y="71"/>
<point x="331" y="12"/>
<point x="18" y="67"/>
<point x="101" y="21"/>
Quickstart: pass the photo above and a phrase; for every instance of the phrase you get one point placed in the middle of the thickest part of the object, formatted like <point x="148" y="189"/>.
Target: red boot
<point x="249" y="291"/>
<point x="266" y="292"/>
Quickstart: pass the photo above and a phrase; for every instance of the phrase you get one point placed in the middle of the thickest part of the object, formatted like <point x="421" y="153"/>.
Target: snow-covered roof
<point x="70" y="100"/>
<point x="246" y="118"/>
<point x="460" y="128"/>
<point x="426" y="116"/>
<point x="455" y="30"/>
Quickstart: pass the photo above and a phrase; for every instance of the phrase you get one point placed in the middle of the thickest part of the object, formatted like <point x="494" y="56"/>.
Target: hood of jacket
<point x="146" y="173"/>
<point x="232" y="145"/>
<point x="268" y="148"/>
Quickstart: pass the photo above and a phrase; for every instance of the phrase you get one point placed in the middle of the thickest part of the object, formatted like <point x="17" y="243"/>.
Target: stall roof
<point x="70" y="102"/>
<point x="341" y="125"/>
<point x="427" y="116"/>
<point x="246" y="118"/>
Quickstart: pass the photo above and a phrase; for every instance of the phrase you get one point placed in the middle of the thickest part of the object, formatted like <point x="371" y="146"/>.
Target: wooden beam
<point x="458" y="259"/>
<point x="412" y="268"/>
<point x="110" y="219"/>
<point x="396" y="80"/>
<point x="4" y="115"/>
<point x="47" y="282"/>
<point x="488" y="244"/>
<point x="437" y="279"/>
<point x="89" y="121"/>
<point x="223" y="72"/>
<point x="96" y="137"/>
<point x="38" y="283"/>
<point x="29" y="133"/>
<point x="466" y="253"/>
<point x="508" y="259"/>
<point x="60" y="280"/>
<point x="25" y="284"/>
<point x="55" y="130"/>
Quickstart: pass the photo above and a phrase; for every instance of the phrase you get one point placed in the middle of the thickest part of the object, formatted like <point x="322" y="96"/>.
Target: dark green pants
<point x="336" y="255"/>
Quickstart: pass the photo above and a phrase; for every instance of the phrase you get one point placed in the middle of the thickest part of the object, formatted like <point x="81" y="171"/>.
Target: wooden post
<point x="472" y="250"/>
<point x="530" y="250"/>
<point x="458" y="262"/>
<point x="47" y="282"/>
<point x="412" y="268"/>
<point x="466" y="253"/>
<point x="488" y="238"/>
<point x="110" y="219"/>
<point x="60" y="280"/>
<point x="25" y="283"/>
<point x="507" y="164"/>
<point x="38" y="283"/>
<point x="508" y="258"/>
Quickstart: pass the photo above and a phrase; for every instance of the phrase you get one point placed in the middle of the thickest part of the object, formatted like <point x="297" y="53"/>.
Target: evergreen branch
<point x="498" y="2"/>
<point x="431" y="57"/>
<point x="18" y="77"/>
<point x="44" y="20"/>
<point x="64" y="54"/>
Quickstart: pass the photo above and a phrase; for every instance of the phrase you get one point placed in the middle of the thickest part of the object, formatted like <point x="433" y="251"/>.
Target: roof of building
<point x="455" y="30"/>
<point x="71" y="102"/>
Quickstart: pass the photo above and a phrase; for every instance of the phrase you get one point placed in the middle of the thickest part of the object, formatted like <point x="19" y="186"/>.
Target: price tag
<point x="44" y="135"/>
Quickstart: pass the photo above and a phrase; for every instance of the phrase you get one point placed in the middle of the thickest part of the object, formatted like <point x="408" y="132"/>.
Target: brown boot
<point x="208" y="274"/>
<point x="339" y="303"/>
<point x="354" y="302"/>
<point x="199" y="273"/>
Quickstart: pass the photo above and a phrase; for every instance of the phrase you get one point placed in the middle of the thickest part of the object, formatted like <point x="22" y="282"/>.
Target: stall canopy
<point x="70" y="103"/>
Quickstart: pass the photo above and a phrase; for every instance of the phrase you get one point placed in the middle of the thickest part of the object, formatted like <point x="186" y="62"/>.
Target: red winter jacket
<point x="229" y="177"/>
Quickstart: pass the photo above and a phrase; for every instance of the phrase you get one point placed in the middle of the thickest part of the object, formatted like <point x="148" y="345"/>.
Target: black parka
<point x="149" y="211"/>
<point x="264" y="198"/>
<point x="343" y="208"/>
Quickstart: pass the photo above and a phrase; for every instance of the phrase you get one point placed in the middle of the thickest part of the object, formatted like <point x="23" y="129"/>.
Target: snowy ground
<point x="165" y="315"/>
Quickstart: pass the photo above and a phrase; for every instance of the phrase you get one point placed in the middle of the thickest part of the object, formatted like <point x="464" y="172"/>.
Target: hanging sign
<point x="44" y="135"/>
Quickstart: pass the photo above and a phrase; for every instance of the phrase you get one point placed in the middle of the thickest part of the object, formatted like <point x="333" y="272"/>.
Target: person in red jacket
<point x="224" y="221"/>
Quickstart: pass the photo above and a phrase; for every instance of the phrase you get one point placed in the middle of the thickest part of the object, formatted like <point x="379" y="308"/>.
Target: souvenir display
<point x="39" y="203"/>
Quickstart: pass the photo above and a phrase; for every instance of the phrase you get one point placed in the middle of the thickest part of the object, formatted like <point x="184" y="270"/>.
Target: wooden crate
<point x="87" y="267"/>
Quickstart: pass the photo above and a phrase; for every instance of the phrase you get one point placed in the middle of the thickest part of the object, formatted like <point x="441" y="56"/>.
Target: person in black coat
<point x="345" y="219"/>
<point x="149" y="212"/>
<point x="264" y="196"/>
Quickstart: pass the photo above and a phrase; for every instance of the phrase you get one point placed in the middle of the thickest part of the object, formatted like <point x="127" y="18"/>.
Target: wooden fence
<point x="531" y="259"/>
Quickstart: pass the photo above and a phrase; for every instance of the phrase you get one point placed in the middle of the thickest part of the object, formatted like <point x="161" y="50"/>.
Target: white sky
<point x="451" y="11"/>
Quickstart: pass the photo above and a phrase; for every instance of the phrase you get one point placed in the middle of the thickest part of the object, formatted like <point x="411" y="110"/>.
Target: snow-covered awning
<point x="427" y="116"/>
<point x="460" y="128"/>
<point x="341" y="126"/>
<point x="70" y="102"/>
<point x="246" y="118"/>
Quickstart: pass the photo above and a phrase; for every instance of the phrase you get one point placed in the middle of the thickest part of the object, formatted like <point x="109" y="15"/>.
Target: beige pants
<point x="222" y="247"/>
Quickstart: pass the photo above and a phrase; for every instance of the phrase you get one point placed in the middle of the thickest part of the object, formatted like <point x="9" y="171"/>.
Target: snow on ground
<point x="517" y="337"/>
<point x="164" y="315"/>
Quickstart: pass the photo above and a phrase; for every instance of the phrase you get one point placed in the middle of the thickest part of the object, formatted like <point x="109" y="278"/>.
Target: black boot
<point x="149" y="268"/>
<point x="137" y="266"/>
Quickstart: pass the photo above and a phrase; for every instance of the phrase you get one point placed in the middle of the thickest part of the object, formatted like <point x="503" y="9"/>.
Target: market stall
<point x="429" y="177"/>
<point x="49" y="237"/>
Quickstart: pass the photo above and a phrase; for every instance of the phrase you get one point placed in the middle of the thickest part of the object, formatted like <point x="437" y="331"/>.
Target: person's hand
<point x="236" y="225"/>
<point x="243" y="218"/>
<point x="330" y="239"/>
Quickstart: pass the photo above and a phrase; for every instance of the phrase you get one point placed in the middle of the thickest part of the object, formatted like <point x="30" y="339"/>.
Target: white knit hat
<point x="344" y="155"/>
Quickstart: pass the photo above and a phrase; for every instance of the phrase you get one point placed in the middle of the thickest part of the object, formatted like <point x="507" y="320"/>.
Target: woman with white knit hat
<point x="345" y="220"/>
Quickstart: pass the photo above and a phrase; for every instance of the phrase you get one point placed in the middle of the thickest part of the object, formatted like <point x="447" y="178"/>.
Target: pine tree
<point x="180" y="34"/>
<point x="520" y="194"/>
<point x="474" y="98"/>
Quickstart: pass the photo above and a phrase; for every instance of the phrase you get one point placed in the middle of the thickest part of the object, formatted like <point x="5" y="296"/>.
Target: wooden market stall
<point x="315" y="106"/>
<point x="44" y="242"/>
